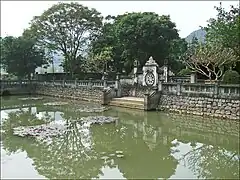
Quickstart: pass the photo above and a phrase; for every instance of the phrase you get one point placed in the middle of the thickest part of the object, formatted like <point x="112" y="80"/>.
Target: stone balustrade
<point x="76" y="83"/>
<point x="216" y="100"/>
<point x="203" y="90"/>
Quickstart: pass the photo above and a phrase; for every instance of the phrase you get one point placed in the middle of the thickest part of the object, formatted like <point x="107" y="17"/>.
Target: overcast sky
<point x="188" y="15"/>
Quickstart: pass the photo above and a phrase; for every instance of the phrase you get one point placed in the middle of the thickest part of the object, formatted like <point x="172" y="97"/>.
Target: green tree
<point x="137" y="36"/>
<point x="225" y="30"/>
<point x="21" y="56"/>
<point x="231" y="77"/>
<point x="209" y="60"/>
<point x="67" y="28"/>
<point x="99" y="62"/>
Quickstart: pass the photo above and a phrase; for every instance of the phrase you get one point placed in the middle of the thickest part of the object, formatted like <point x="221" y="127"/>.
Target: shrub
<point x="184" y="72"/>
<point x="231" y="77"/>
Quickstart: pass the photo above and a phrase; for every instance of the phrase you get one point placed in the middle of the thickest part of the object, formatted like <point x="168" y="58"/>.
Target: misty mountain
<point x="200" y="34"/>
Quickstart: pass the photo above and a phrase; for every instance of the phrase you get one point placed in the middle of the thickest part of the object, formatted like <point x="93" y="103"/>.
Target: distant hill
<point x="199" y="34"/>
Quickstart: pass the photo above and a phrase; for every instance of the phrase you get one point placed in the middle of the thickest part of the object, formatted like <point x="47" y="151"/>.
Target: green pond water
<point x="155" y="145"/>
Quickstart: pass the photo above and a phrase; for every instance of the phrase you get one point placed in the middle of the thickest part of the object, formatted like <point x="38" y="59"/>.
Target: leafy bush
<point x="184" y="72"/>
<point x="231" y="77"/>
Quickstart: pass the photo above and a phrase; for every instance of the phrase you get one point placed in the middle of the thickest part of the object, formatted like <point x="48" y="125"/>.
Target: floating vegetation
<point x="104" y="158"/>
<point x="55" y="103"/>
<point x="118" y="154"/>
<point x="92" y="110"/>
<point x="45" y="131"/>
<point x="98" y="120"/>
<point x="40" y="131"/>
<point x="31" y="98"/>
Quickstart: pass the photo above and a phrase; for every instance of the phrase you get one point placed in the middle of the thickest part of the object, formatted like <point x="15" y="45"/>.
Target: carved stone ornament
<point x="151" y="62"/>
<point x="150" y="73"/>
<point x="149" y="78"/>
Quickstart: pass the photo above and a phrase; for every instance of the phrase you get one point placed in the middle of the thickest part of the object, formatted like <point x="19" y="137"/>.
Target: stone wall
<point x="204" y="106"/>
<point x="80" y="93"/>
<point x="134" y="91"/>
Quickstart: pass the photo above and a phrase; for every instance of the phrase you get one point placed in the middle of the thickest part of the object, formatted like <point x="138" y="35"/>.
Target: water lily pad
<point x="104" y="158"/>
<point x="119" y="155"/>
<point x="46" y="131"/>
<point x="119" y="152"/>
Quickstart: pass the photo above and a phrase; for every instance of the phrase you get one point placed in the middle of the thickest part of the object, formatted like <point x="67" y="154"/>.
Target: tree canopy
<point x="209" y="60"/>
<point x="21" y="56"/>
<point x="225" y="30"/>
<point x="137" y="36"/>
<point x="221" y="49"/>
<point x="67" y="28"/>
<point x="89" y="43"/>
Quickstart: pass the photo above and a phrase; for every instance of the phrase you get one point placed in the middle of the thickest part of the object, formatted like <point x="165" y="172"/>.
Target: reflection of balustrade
<point x="183" y="131"/>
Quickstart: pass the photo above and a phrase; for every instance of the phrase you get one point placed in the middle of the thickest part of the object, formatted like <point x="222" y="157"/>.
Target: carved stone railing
<point x="9" y="84"/>
<point x="77" y="83"/>
<point x="203" y="90"/>
<point x="110" y="83"/>
<point x="127" y="81"/>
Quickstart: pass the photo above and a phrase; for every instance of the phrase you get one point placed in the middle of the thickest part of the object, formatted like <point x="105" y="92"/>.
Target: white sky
<point x="188" y="15"/>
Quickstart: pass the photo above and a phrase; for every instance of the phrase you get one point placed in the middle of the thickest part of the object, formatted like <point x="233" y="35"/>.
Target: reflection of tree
<point x="11" y="102"/>
<point x="139" y="161"/>
<point x="212" y="162"/>
<point x="66" y="156"/>
<point x="144" y="140"/>
<point x="20" y="118"/>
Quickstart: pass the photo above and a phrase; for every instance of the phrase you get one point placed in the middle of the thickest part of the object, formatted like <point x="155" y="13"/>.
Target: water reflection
<point x="154" y="146"/>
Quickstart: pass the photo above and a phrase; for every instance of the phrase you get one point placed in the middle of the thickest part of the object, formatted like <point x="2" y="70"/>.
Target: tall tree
<point x="20" y="56"/>
<point x="67" y="28"/>
<point x="225" y="30"/>
<point x="137" y="36"/>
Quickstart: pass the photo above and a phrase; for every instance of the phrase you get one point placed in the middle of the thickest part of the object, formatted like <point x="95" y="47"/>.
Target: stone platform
<point x="128" y="102"/>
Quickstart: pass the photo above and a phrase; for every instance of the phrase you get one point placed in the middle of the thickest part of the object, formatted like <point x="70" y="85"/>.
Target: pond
<point x="154" y="145"/>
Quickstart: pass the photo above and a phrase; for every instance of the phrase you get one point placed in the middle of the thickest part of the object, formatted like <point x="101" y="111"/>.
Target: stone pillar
<point x="90" y="83"/>
<point x="216" y="89"/>
<point x="160" y="85"/>
<point x="178" y="88"/>
<point x="76" y="82"/>
<point x="104" y="102"/>
<point x="117" y="81"/>
<point x="104" y="78"/>
<point x="63" y="82"/>
<point x="135" y="80"/>
<point x="118" y="85"/>
<point x="165" y="73"/>
<point x="135" y="77"/>
<point x="135" y="71"/>
<point x="193" y="78"/>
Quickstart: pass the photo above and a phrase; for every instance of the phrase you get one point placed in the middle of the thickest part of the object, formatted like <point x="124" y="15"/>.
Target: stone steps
<point x="128" y="102"/>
